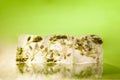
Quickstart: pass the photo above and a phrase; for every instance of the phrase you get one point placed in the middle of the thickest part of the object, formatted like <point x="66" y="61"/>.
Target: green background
<point x="75" y="17"/>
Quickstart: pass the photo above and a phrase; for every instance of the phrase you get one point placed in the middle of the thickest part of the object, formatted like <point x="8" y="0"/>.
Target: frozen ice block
<point x="59" y="48"/>
<point x="35" y="49"/>
<point x="88" y="49"/>
<point x="88" y="56"/>
<point x="60" y="55"/>
<point x="29" y="49"/>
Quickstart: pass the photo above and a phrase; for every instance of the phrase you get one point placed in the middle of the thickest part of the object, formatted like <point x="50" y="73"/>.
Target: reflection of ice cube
<point x="91" y="70"/>
<point x="63" y="70"/>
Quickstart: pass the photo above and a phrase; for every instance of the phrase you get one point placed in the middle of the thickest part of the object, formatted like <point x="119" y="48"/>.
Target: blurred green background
<point x="75" y="17"/>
